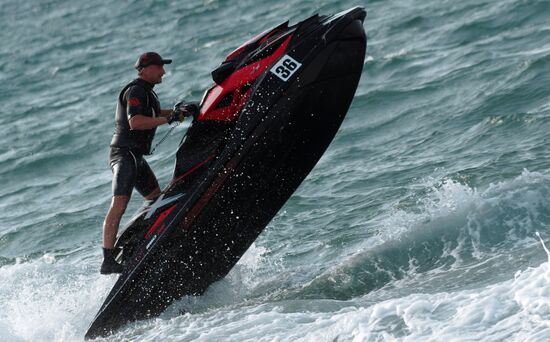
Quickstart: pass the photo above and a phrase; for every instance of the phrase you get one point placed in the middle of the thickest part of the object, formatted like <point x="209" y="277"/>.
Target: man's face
<point x="153" y="73"/>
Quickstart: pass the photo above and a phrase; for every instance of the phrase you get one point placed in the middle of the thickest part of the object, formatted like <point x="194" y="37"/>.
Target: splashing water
<point x="543" y="245"/>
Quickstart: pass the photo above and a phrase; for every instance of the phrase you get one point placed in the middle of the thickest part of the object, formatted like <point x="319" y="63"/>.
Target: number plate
<point x="285" y="67"/>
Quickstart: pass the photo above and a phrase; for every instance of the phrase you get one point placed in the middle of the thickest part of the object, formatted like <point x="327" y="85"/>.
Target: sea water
<point x="419" y="223"/>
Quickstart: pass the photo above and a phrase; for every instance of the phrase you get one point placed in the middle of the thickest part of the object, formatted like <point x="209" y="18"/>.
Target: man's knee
<point x="153" y="194"/>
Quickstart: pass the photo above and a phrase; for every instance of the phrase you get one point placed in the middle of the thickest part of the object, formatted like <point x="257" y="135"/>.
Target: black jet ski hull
<point x="281" y="134"/>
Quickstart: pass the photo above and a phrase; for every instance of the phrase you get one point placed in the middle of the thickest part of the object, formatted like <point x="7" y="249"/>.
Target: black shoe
<point x="109" y="264"/>
<point x="109" y="268"/>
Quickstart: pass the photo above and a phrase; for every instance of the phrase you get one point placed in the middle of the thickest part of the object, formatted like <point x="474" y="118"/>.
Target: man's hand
<point x="187" y="108"/>
<point x="176" y="115"/>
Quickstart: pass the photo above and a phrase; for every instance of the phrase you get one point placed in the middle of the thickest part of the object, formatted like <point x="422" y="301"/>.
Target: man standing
<point x="137" y="116"/>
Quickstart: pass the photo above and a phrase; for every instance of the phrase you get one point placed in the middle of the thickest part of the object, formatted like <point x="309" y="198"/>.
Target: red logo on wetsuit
<point x="134" y="101"/>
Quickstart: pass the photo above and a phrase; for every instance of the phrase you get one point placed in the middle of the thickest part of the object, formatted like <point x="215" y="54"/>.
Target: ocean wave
<point x="454" y="232"/>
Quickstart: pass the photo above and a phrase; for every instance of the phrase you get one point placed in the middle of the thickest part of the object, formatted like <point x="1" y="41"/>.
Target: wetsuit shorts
<point x="131" y="170"/>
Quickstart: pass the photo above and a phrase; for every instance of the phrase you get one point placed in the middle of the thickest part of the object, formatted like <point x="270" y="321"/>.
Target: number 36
<point x="285" y="67"/>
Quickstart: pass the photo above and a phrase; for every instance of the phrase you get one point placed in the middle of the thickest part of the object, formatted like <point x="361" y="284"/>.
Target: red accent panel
<point x="161" y="229"/>
<point x="233" y="84"/>
<point x="161" y="218"/>
<point x="133" y="102"/>
<point x="270" y="34"/>
<point x="263" y="36"/>
<point x="209" y="193"/>
<point x="175" y="180"/>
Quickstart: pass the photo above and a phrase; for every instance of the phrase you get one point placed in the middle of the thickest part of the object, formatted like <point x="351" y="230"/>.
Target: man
<point x="137" y="116"/>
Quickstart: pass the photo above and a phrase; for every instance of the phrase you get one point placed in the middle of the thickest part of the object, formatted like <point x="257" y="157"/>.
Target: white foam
<point x="444" y="197"/>
<point x="234" y="288"/>
<point x="402" y="52"/>
<point x="49" y="300"/>
<point x="543" y="245"/>
<point x="517" y="309"/>
<point x="513" y="206"/>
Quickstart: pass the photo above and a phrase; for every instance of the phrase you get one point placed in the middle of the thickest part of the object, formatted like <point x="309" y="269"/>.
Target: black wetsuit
<point x="128" y="146"/>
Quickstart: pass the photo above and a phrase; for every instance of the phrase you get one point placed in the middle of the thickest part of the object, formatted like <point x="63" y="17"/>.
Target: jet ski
<point x="275" y="105"/>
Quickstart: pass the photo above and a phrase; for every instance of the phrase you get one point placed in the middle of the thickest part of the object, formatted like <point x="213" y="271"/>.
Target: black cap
<point x="150" y="58"/>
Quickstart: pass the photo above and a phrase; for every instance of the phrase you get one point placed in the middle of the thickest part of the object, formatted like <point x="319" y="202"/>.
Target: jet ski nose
<point x="353" y="31"/>
<point x="356" y="13"/>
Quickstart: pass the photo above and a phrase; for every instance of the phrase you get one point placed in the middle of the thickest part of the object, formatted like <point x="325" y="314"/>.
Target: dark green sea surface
<point x="418" y="224"/>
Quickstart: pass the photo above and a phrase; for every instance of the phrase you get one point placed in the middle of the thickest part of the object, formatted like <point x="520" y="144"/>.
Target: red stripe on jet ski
<point x="201" y="203"/>
<point x="161" y="218"/>
<point x="175" y="180"/>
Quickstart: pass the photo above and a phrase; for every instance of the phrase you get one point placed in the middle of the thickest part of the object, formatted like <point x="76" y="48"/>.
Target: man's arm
<point x="136" y="98"/>
<point x="142" y="122"/>
<point x="165" y="112"/>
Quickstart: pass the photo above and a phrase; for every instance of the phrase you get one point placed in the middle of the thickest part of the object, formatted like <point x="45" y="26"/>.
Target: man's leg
<point x="110" y="230"/>
<point x="112" y="220"/>
<point x="123" y="165"/>
<point x="154" y="194"/>
<point x="146" y="181"/>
